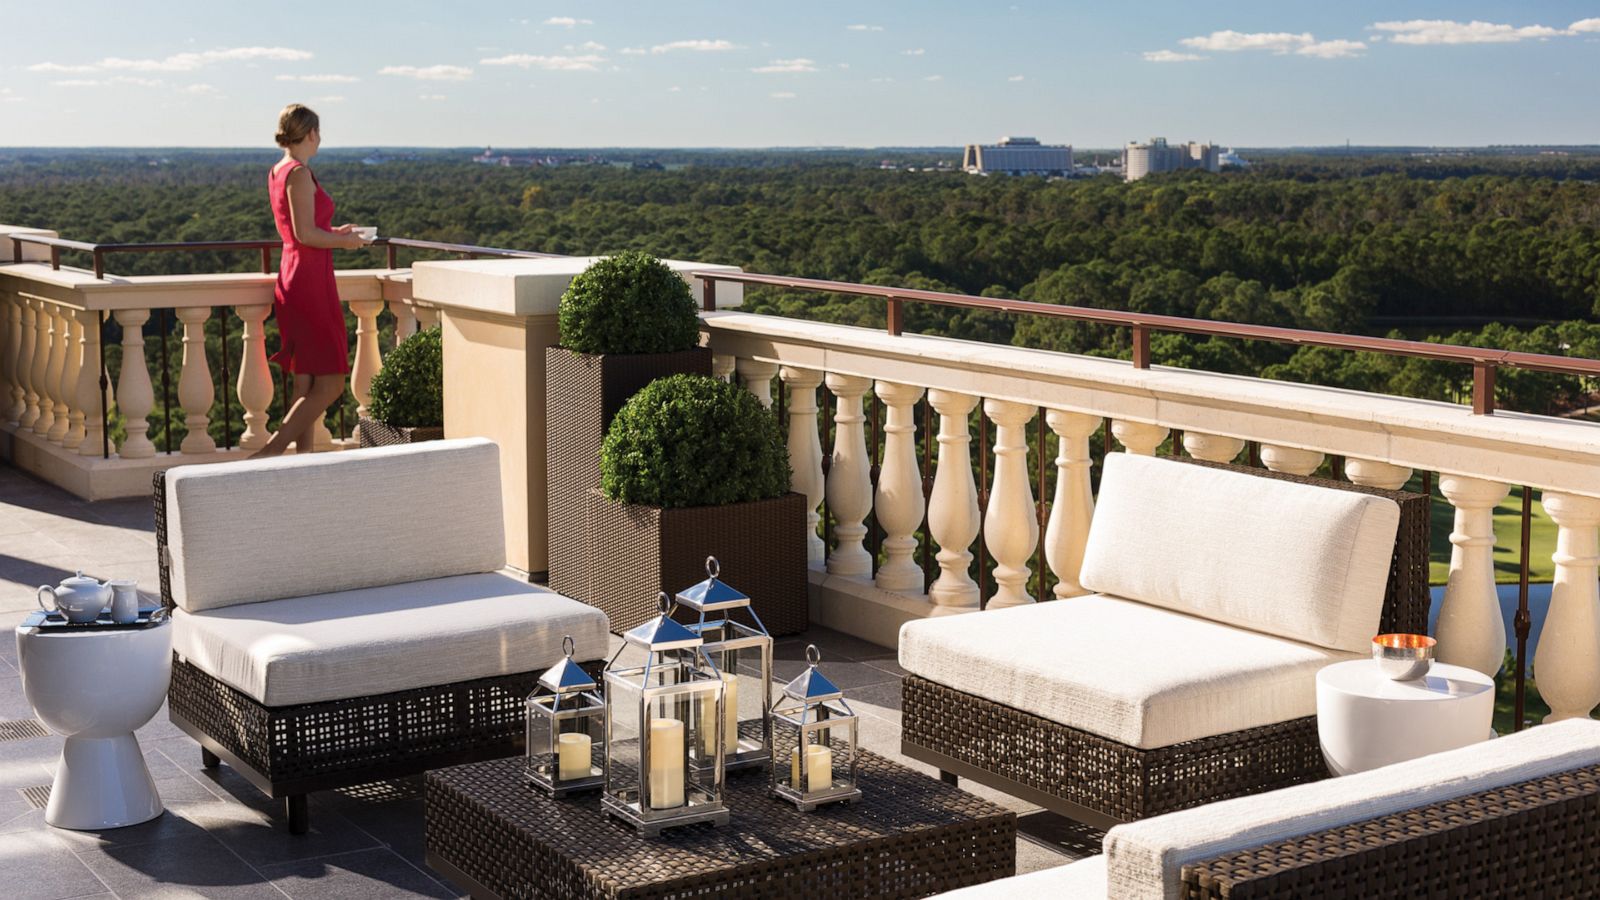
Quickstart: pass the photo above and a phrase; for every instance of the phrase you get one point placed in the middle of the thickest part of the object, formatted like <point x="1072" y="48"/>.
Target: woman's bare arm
<point x="302" y="216"/>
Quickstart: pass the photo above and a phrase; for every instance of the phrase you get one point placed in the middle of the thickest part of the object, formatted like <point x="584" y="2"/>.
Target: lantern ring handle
<point x="664" y="602"/>
<point x="567" y="646"/>
<point x="713" y="568"/>
<point x="813" y="655"/>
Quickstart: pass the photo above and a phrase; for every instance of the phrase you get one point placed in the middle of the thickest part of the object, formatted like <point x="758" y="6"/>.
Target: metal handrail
<point x="1484" y="361"/>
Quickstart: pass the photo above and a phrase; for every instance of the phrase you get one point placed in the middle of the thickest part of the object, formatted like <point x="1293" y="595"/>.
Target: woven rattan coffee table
<point x="909" y="836"/>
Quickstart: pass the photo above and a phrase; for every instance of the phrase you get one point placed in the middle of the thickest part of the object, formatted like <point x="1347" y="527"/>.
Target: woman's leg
<point x="313" y="395"/>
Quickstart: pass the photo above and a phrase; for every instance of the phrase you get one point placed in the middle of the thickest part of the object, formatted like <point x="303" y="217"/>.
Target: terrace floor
<point x="219" y="836"/>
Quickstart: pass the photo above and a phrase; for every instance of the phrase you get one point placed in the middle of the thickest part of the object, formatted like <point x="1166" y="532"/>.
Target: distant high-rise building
<point x="1017" y="156"/>
<point x="1139" y="160"/>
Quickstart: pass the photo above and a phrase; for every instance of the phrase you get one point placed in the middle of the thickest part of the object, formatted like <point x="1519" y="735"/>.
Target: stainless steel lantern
<point x="742" y="652"/>
<point x="566" y="729"/>
<point x="664" y="720"/>
<point x="816" y="741"/>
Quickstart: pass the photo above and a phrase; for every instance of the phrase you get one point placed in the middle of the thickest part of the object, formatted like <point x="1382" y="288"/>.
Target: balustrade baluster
<point x="14" y="401"/>
<point x="1371" y="473"/>
<point x="849" y="481"/>
<point x="1471" y="632"/>
<point x="1073" y="507"/>
<point x="1566" y="665"/>
<point x="29" y="355"/>
<point x="60" y="340"/>
<point x="255" y="386"/>
<point x="722" y="366"/>
<point x="805" y="451"/>
<point x="368" y="359"/>
<point x="1292" y="460"/>
<point x="195" y="391"/>
<point x="72" y="436"/>
<point x="135" y="396"/>
<point x="1010" y="524"/>
<point x="1212" y="447"/>
<point x="43" y="385"/>
<point x="898" y="503"/>
<point x="405" y="320"/>
<point x="1141" y="438"/>
<point x="757" y="378"/>
<point x="89" y="405"/>
<point x="953" y="515"/>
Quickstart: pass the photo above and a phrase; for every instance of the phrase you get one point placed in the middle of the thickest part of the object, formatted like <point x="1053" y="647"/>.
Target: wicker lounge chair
<point x="340" y="619"/>
<point x="1105" y="754"/>
<point x="1514" y="817"/>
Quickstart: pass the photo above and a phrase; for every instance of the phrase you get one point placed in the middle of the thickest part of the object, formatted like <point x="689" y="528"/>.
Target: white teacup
<point x="366" y="232"/>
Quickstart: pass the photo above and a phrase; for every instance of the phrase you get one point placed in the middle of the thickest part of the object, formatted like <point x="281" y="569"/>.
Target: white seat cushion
<point x="1137" y="674"/>
<point x="1294" y="560"/>
<point x="241" y="532"/>
<point x="1144" y="859"/>
<point x="1084" y="879"/>
<point x="392" y="638"/>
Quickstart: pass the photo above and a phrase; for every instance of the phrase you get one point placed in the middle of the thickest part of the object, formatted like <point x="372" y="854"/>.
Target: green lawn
<point x="1508" y="537"/>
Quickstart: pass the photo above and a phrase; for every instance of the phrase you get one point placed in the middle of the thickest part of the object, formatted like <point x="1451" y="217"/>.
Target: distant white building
<point x="1230" y="158"/>
<point x="1139" y="160"/>
<point x="1017" y="156"/>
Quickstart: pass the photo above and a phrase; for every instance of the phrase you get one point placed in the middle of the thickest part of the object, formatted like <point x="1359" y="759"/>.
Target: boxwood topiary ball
<point x="629" y="303"/>
<point x="408" y="392"/>
<point x="690" y="440"/>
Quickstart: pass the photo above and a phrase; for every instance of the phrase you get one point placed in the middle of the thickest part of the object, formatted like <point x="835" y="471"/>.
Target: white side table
<point x="1366" y="719"/>
<point x="96" y="687"/>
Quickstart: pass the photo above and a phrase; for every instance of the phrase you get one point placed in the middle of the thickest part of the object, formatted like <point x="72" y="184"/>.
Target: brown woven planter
<point x="377" y="434"/>
<point x="582" y="393"/>
<point x="631" y="552"/>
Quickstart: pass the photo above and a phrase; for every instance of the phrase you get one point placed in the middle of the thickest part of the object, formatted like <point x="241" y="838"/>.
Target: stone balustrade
<point x="51" y="328"/>
<point x="871" y="586"/>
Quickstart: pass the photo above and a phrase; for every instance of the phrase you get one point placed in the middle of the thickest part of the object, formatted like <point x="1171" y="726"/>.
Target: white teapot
<point x="79" y="598"/>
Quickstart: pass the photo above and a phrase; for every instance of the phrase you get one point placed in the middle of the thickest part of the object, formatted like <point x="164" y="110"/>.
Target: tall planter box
<point x="632" y="552"/>
<point x="377" y="434"/>
<point x="582" y="394"/>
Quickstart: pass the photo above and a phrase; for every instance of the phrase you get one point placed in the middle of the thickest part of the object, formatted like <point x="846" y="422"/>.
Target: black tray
<point x="55" y="622"/>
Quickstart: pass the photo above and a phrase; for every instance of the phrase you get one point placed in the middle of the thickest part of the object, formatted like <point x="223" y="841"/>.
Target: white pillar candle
<point x="730" y="718"/>
<point x="573" y="751"/>
<point x="666" y="763"/>
<point x="819" y="768"/>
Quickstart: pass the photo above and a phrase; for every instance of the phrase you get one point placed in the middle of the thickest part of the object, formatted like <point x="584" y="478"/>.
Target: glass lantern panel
<point x="665" y="722"/>
<point x="744" y="660"/>
<point x="579" y="736"/>
<point x="624" y="704"/>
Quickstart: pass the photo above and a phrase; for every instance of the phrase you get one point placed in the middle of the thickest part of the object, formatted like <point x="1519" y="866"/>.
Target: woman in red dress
<point x="314" y="345"/>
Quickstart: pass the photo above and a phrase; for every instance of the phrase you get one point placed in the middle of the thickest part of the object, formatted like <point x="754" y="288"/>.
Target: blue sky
<point x="755" y="74"/>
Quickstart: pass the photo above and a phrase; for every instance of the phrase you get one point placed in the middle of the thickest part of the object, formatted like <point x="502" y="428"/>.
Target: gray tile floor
<point x="220" y="837"/>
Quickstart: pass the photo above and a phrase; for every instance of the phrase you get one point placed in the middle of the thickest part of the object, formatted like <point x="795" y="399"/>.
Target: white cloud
<point x="1170" y="56"/>
<point x="1446" y="31"/>
<point x="432" y="97"/>
<point x="700" y="45"/>
<point x="933" y="78"/>
<point x="1338" y="49"/>
<point x="863" y="28"/>
<point x="1585" y="26"/>
<point x="586" y="63"/>
<point x="76" y="83"/>
<point x="590" y="46"/>
<point x="787" y="65"/>
<point x="1017" y="78"/>
<point x="843" y="65"/>
<point x="134" y="81"/>
<point x="917" y="52"/>
<point x="429" y="73"/>
<point x="329" y="98"/>
<point x="881" y="80"/>
<point x="320" y="79"/>
<point x="201" y="89"/>
<point x="634" y="51"/>
<point x="180" y="62"/>
<point x="59" y="68"/>
<point x="674" y="90"/>
<point x="783" y="95"/>
<point x="567" y="21"/>
<point x="1232" y="41"/>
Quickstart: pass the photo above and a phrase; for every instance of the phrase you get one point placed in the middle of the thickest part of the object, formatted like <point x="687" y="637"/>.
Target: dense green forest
<point x="1494" y="250"/>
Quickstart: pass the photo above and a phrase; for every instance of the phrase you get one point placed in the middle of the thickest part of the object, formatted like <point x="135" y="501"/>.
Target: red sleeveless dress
<point x="306" y="298"/>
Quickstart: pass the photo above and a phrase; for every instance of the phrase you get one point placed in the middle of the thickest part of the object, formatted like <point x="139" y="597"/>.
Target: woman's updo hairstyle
<point x="294" y="124"/>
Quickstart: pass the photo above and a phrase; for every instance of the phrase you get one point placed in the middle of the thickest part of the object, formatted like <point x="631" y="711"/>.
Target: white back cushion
<point x="239" y="532"/>
<point x="1293" y="560"/>
<point x="1144" y="859"/>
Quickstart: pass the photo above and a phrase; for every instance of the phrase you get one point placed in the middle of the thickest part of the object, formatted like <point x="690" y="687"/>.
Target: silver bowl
<point x="1403" y="657"/>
